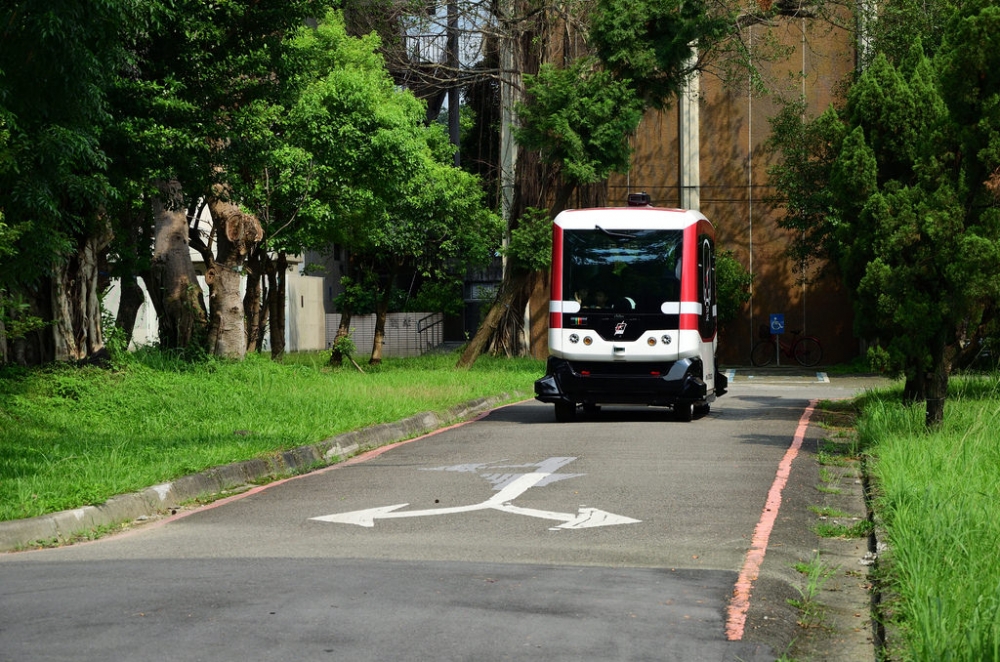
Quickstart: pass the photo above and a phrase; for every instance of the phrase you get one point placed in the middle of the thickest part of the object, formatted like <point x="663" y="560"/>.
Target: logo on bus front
<point x="620" y="328"/>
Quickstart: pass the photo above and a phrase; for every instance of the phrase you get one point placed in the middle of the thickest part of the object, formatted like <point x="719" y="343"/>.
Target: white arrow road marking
<point x="513" y="488"/>
<point x="585" y="519"/>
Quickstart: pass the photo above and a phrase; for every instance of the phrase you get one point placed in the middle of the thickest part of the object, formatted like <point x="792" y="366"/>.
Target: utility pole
<point x="454" y="127"/>
<point x="509" y="83"/>
<point x="688" y="137"/>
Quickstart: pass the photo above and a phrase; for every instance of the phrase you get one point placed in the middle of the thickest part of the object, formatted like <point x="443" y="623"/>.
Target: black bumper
<point x="678" y="382"/>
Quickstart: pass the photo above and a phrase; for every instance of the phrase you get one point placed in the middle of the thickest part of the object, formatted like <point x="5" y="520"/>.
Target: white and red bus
<point x="632" y="315"/>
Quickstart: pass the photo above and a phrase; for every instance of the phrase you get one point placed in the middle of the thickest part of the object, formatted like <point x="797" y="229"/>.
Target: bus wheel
<point x="701" y="411"/>
<point x="683" y="412"/>
<point x="565" y="411"/>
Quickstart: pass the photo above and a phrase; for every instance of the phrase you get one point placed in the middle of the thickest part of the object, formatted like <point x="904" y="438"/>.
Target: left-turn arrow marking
<point x="360" y="517"/>
<point x="512" y="486"/>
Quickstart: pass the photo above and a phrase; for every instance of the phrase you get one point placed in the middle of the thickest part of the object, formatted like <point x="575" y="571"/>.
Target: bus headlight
<point x="651" y="341"/>
<point x="666" y="339"/>
<point x="574" y="338"/>
<point x="587" y="340"/>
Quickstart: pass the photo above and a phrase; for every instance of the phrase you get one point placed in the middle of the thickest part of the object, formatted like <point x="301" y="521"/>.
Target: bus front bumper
<point x="669" y="384"/>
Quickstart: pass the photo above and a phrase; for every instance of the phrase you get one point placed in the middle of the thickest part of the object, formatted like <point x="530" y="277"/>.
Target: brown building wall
<point x="733" y="130"/>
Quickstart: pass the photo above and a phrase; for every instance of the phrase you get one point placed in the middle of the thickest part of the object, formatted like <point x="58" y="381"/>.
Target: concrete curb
<point x="68" y="525"/>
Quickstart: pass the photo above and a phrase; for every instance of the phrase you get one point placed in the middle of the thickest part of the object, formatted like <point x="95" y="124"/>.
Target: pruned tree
<point x="187" y="118"/>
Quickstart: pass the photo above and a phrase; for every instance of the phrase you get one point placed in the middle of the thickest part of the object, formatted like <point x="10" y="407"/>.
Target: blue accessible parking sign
<point x="777" y="323"/>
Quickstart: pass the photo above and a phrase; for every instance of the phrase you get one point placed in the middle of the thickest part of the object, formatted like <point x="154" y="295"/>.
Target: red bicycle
<point x="806" y="350"/>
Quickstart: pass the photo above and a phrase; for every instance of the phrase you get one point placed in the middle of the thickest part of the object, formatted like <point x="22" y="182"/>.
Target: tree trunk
<point x="132" y="246"/>
<point x="501" y="330"/>
<point x="254" y="304"/>
<point x="512" y="289"/>
<point x="278" y="279"/>
<point x="937" y="384"/>
<point x="76" y="301"/>
<point x="343" y="331"/>
<point x="236" y="234"/>
<point x="381" y="312"/>
<point x="914" y="387"/>
<point x="173" y="283"/>
<point x="4" y="356"/>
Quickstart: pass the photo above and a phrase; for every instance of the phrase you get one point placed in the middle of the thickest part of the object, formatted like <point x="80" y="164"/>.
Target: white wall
<point x="307" y="327"/>
<point x="304" y="317"/>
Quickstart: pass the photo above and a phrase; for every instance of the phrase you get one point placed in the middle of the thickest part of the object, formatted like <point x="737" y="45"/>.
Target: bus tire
<point x="565" y="412"/>
<point x="702" y="410"/>
<point x="683" y="412"/>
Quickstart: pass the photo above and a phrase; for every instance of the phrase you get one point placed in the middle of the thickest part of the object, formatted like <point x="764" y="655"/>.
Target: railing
<point x="437" y="319"/>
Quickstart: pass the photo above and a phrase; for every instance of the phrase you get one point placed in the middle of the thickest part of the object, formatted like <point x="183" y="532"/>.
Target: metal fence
<point x="406" y="334"/>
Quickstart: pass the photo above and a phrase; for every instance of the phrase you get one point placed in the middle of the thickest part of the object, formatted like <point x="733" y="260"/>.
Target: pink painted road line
<point x="740" y="604"/>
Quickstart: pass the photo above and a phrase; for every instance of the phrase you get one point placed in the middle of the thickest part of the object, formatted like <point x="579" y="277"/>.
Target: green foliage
<point x="896" y="188"/>
<point x="115" y="338"/>
<point x="579" y="117"/>
<point x="530" y="245"/>
<point x="358" y="165"/>
<point x="356" y="297"/>
<point x="733" y="282"/>
<point x="16" y="317"/>
<point x="808" y="150"/>
<point x="649" y="44"/>
<point x="345" y="345"/>
<point x="439" y="296"/>
<point x="52" y="166"/>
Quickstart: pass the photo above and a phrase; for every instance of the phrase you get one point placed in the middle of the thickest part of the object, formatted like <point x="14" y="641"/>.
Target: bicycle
<point x="806" y="350"/>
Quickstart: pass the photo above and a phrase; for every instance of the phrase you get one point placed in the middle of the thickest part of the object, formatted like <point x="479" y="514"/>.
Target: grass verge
<point x="71" y="436"/>
<point x="936" y="496"/>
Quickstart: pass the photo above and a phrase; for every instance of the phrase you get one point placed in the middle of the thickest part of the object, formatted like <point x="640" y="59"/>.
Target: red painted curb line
<point x="740" y="603"/>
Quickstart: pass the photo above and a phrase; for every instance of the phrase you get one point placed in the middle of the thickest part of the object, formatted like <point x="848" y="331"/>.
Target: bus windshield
<point x="622" y="270"/>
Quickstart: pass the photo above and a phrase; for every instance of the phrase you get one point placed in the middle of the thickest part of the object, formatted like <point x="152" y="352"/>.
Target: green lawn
<point x="937" y="500"/>
<point x="76" y="436"/>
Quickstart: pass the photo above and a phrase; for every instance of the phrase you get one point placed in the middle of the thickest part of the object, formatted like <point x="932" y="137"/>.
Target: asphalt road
<point x="618" y="537"/>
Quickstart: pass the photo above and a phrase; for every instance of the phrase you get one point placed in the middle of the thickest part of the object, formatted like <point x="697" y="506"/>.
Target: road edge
<point x="69" y="525"/>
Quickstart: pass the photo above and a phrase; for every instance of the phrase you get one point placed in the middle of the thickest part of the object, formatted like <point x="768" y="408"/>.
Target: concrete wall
<point x="406" y="334"/>
<point x="734" y="188"/>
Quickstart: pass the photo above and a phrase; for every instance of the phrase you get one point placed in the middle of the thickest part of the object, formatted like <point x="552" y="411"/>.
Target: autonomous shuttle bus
<point x="632" y="316"/>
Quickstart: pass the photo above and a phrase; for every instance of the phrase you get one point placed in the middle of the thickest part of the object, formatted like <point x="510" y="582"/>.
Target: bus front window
<point x="627" y="269"/>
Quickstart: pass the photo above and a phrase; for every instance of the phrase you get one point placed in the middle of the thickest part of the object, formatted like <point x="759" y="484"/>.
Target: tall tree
<point x="908" y="204"/>
<point x="353" y="162"/>
<point x="206" y="70"/>
<point x="56" y="62"/>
